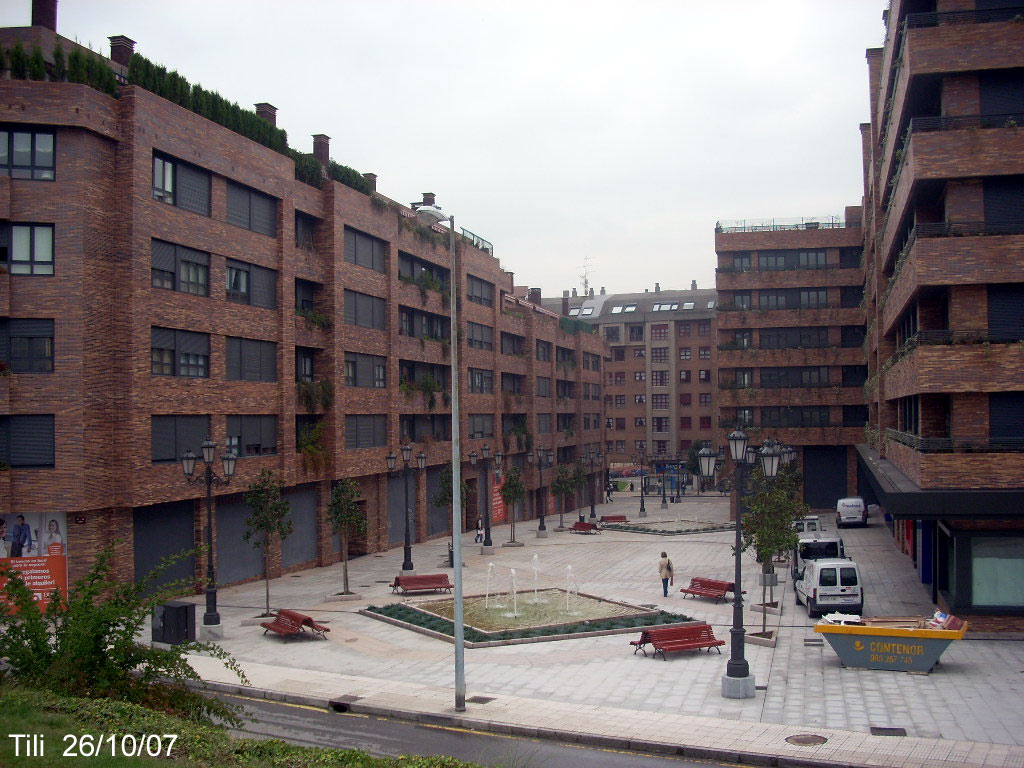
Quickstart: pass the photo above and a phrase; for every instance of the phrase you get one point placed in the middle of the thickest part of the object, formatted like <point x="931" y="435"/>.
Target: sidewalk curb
<point x="475" y="723"/>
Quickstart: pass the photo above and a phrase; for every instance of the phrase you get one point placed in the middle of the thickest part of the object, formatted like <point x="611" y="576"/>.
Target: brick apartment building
<point x="790" y="343"/>
<point x="943" y="284"/>
<point x="944" y="241"/>
<point x="165" y="278"/>
<point x="660" y="371"/>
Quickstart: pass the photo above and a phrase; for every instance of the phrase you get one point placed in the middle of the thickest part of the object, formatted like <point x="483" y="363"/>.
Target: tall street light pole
<point x="421" y="462"/>
<point x="643" y="509"/>
<point x="488" y="545"/>
<point x="542" y="456"/>
<point x="211" y="629"/>
<point x="593" y="454"/>
<point x="431" y="215"/>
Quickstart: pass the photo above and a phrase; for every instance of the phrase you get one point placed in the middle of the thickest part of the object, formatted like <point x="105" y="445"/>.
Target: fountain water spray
<point x="512" y="590"/>
<point x="570" y="588"/>
<point x="487" y="591"/>
<point x="537" y="600"/>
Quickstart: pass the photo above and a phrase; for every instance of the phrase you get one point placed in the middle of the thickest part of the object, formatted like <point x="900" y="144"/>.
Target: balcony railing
<point x="949" y="338"/>
<point x="478" y="242"/>
<point x="780" y="225"/>
<point x="957" y="445"/>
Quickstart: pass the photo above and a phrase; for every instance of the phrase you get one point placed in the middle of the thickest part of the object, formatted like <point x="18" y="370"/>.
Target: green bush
<point x="84" y="644"/>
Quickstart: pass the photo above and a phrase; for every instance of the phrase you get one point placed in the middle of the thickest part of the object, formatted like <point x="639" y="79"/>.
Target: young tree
<point x="768" y="521"/>
<point x="513" y="490"/>
<point x="443" y="497"/>
<point x="579" y="479"/>
<point x="269" y="517"/>
<point x="347" y="519"/>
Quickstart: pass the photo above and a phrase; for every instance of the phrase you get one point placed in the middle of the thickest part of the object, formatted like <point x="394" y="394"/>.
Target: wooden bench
<point x="581" y="527"/>
<point x="290" y="623"/>
<point x="668" y="639"/>
<point x="702" y="587"/>
<point x="427" y="582"/>
<point x="614" y="519"/>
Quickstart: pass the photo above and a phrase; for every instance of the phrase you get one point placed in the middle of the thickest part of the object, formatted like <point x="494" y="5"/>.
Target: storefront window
<point x="997" y="570"/>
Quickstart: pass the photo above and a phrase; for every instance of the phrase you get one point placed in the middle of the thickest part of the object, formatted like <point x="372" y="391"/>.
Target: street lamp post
<point x="643" y="509"/>
<point x="738" y="683"/>
<point x="211" y="619"/>
<point x="593" y="454"/>
<point x="431" y="215"/>
<point x="542" y="457"/>
<point x="488" y="545"/>
<point x="421" y="462"/>
<point x="664" y="482"/>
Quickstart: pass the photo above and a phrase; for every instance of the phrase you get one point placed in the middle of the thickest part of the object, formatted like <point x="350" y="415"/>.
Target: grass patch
<point x="403" y="612"/>
<point x="198" y="746"/>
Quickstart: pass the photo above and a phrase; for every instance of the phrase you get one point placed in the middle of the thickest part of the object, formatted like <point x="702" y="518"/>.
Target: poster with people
<point x="497" y="502"/>
<point x="34" y="544"/>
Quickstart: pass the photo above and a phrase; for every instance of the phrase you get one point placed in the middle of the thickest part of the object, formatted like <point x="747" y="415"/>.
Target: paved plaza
<point x="968" y="711"/>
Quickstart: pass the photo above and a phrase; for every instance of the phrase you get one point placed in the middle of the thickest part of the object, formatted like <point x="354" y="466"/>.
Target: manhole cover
<point x="878" y="731"/>
<point x="813" y="641"/>
<point x="382" y="582"/>
<point x="480" y="699"/>
<point x="806" y="739"/>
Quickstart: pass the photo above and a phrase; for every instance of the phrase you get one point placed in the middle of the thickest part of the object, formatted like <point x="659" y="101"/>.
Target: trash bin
<point x="174" y="623"/>
<point x="898" y="644"/>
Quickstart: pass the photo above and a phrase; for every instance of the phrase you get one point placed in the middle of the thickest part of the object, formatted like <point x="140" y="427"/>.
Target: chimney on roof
<point x="121" y="49"/>
<point x="565" y="294"/>
<point x="602" y="290"/>
<point x="322" y="148"/>
<point x="574" y="293"/>
<point x="44" y="14"/>
<point x="565" y="303"/>
<point x="693" y="285"/>
<point x="591" y="291"/>
<point x="371" y="180"/>
<point x="657" y="287"/>
<point x="534" y="296"/>
<point x="268" y="112"/>
<point x="428" y="199"/>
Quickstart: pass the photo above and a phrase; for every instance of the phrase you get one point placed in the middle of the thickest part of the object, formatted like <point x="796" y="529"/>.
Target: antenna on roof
<point x="585" y="275"/>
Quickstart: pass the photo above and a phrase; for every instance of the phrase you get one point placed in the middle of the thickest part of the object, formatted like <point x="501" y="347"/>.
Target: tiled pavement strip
<point x="968" y="712"/>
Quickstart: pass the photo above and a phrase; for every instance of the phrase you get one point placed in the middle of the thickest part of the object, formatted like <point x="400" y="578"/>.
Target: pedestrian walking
<point x="631" y="487"/>
<point x="665" y="571"/>
<point x="479" y="530"/>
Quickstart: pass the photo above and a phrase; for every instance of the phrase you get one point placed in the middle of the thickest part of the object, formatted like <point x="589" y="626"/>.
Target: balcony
<point x="780" y="225"/>
<point x="938" y="362"/>
<point x="791" y="316"/>
<point x="933" y="463"/>
<point x="755" y="357"/>
<point x="934" y="254"/>
<point x="831" y="275"/>
<point x="828" y="394"/>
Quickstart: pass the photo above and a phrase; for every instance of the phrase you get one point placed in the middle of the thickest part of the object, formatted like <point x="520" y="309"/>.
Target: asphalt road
<point x="310" y="726"/>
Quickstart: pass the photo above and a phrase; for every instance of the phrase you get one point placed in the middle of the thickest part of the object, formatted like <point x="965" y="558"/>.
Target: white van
<point x="851" y="511"/>
<point x="830" y="585"/>
<point x="806" y="524"/>
<point x="815" y="545"/>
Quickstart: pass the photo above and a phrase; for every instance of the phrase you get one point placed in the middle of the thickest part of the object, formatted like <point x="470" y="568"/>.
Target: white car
<point x="851" y="511"/>
<point x="826" y="586"/>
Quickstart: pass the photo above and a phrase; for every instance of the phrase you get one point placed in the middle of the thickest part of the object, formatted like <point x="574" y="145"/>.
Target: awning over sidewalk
<point x="904" y="500"/>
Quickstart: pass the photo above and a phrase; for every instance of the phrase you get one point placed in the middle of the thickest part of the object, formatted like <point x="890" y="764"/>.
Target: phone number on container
<point x="125" y="745"/>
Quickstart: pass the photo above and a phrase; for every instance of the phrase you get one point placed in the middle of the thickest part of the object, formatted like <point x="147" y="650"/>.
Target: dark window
<point x="366" y="431"/>
<point x="797" y="376"/>
<point x="305" y="363"/>
<point x="1005" y="311"/>
<point x="659" y="378"/>
<point x="771" y="261"/>
<point x="251" y="284"/>
<point x="772" y="299"/>
<point x="365" y="370"/>
<point x="181" y="184"/>
<point x="479" y="291"/>
<point x="618" y="354"/>
<point x="365" y="310"/>
<point x="686" y="422"/>
<point x="252" y="435"/>
<point x="480" y="336"/>
<point x="26" y="154"/>
<point x="659" y="355"/>
<point x="543" y="350"/>
<point x="852" y="335"/>
<point x="685" y="375"/>
<point x="26" y="441"/>
<point x="179" y="353"/>
<point x="171" y="436"/>
<point x="611" y="333"/>
<point x="543" y="423"/>
<point x="704" y="374"/>
<point x="178" y="268"/>
<point x="423" y="273"/>
<point x="685" y="398"/>
<point x="481" y="381"/>
<point x="511" y="344"/>
<point x="855" y="415"/>
<point x="481" y="425"/>
<point x="1001" y="90"/>
<point x="741" y="300"/>
<point x="804" y="416"/>
<point x="252" y="210"/>
<point x="305" y="229"/>
<point x="365" y="250"/>
<point x="855" y="375"/>
<point x="660" y="424"/>
<point x="741" y="262"/>
<point x="251" y="359"/>
<point x="849" y="258"/>
<point x="27" y="249"/>
<point x="512" y="383"/>
<point x="659" y="332"/>
<point x="1006" y="417"/>
<point x="851" y="295"/>
<point x="543" y="386"/>
<point x="813" y="298"/>
<point x="305" y="295"/>
<point x="814" y="337"/>
<point x="636" y="332"/>
<point x="27" y="345"/>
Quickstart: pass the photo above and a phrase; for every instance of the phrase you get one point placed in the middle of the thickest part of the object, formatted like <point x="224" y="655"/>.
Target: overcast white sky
<point x="566" y="132"/>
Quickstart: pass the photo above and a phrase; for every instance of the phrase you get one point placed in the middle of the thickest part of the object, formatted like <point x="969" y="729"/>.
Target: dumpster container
<point x="897" y="643"/>
<point x="174" y="623"/>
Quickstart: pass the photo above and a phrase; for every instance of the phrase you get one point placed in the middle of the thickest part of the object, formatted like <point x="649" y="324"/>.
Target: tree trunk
<point x="344" y="559"/>
<point x="766" y="568"/>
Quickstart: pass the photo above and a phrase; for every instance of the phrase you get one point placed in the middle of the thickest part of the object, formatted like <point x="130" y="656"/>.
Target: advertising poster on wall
<point x="497" y="503"/>
<point x="34" y="545"/>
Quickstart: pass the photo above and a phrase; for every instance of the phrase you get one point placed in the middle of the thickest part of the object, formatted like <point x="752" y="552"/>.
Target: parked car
<point x="807" y="524"/>
<point x="851" y="511"/>
<point x="830" y="585"/>
<point x="815" y="545"/>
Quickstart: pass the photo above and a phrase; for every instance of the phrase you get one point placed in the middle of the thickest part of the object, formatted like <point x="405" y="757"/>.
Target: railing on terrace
<point x="951" y="444"/>
<point x="478" y="242"/>
<point x="923" y="20"/>
<point x="949" y="338"/>
<point x="780" y="225"/>
<point x="733" y="345"/>
<point x="956" y="229"/>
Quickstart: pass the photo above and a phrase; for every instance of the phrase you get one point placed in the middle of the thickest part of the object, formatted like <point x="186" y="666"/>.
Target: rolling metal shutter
<point x="162" y="438"/>
<point x="1004" y="199"/>
<point x="263" y="211"/>
<point x="163" y="256"/>
<point x="237" y="559"/>
<point x="396" y="509"/>
<point x="824" y="467"/>
<point x="160" y="531"/>
<point x="1006" y="311"/>
<point x="238" y="205"/>
<point x="439" y="518"/>
<point x="300" y="546"/>
<point x="234" y="354"/>
<point x="262" y="287"/>
<point x="193" y="189"/>
<point x="1006" y="416"/>
<point x="189" y="433"/>
<point x="30" y="440"/>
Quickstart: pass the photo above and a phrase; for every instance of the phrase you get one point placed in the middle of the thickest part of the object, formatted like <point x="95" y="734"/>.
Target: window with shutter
<point x="27" y="345"/>
<point x="251" y="359"/>
<point x="26" y="441"/>
<point x="171" y="436"/>
<point x="252" y="210"/>
<point x="365" y="250"/>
